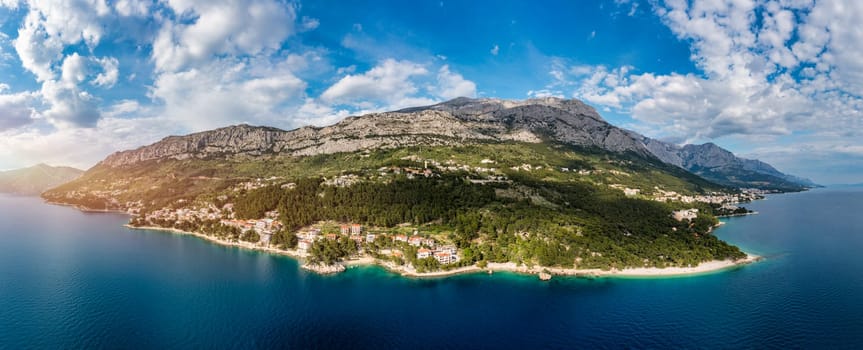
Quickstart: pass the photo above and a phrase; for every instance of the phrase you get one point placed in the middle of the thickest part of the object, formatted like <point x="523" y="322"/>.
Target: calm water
<point x="75" y="280"/>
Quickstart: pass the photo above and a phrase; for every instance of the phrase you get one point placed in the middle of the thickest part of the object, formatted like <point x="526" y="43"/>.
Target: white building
<point x="415" y="241"/>
<point x="687" y="214"/>
<point x="423" y="253"/>
<point x="304" y="245"/>
<point x="444" y="257"/>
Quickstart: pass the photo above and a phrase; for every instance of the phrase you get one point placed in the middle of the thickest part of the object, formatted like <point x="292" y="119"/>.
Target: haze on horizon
<point x="775" y="80"/>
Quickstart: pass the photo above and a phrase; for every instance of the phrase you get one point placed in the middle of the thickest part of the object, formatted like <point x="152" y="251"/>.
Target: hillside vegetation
<point x="535" y="203"/>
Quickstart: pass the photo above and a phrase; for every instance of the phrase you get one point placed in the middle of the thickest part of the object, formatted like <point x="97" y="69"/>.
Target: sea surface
<point x="80" y="280"/>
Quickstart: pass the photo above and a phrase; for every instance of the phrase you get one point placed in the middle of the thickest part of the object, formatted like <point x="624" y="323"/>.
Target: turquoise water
<point x="76" y="280"/>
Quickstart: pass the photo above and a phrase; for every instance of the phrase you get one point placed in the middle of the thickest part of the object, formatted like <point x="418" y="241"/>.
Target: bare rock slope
<point x="454" y="122"/>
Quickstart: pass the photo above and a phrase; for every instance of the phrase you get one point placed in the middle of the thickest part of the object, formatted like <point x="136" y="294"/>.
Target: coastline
<point x="86" y="209"/>
<point x="238" y="244"/>
<point x="652" y="272"/>
<point x="736" y="215"/>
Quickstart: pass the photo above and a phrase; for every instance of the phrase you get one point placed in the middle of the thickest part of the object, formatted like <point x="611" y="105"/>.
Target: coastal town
<point x="408" y="248"/>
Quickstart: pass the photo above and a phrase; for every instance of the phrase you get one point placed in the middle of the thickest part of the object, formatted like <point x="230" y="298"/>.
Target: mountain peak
<point x="35" y="179"/>
<point x="457" y="121"/>
<point x="466" y="106"/>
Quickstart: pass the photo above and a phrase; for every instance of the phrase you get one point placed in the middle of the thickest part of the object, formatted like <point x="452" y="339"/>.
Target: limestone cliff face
<point x="461" y="121"/>
<point x="567" y="121"/>
<point x="454" y="122"/>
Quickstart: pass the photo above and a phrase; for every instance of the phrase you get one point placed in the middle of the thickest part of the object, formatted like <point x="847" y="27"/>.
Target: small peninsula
<point x="542" y="186"/>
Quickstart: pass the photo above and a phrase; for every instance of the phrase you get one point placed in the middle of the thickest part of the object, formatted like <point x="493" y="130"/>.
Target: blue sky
<point x="778" y="80"/>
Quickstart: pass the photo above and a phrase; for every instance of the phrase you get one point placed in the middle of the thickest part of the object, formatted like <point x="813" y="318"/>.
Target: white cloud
<point x="219" y="28"/>
<point x="394" y="84"/>
<point x="74" y="69"/>
<point x="16" y="109"/>
<point x="313" y="112"/>
<point x="346" y="70"/>
<point x="309" y="23"/>
<point x="12" y="4"/>
<point x="495" y="50"/>
<point x="228" y="91"/>
<point x="542" y="93"/>
<point x="633" y="6"/>
<point x="36" y="49"/>
<point x="110" y="72"/>
<point x="133" y="7"/>
<point x="70" y="106"/>
<point x="390" y="80"/>
<point x="451" y="85"/>
<point x="123" y="108"/>
<point x="749" y="83"/>
<point x="80" y="147"/>
<point x="831" y="40"/>
<point x="48" y="28"/>
<point x="218" y="63"/>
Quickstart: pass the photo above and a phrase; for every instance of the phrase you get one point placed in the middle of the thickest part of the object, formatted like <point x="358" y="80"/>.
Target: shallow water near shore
<point x="80" y="280"/>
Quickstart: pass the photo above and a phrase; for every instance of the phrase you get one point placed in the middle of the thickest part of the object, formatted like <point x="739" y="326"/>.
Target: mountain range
<point x="541" y="181"/>
<point x="465" y="120"/>
<point x="36" y="179"/>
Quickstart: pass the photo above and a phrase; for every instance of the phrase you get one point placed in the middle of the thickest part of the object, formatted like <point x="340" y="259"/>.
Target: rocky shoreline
<point x="324" y="269"/>
<point x="544" y="273"/>
<point x="735" y="215"/>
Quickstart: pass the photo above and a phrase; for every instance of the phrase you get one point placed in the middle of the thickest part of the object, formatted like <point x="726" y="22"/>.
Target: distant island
<point x="541" y="186"/>
<point x="34" y="180"/>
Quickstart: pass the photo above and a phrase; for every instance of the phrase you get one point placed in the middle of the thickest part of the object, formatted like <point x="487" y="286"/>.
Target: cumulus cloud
<point x="16" y="109"/>
<point x="389" y="81"/>
<point x="74" y="69"/>
<point x="314" y="112"/>
<point x="227" y="91"/>
<point x="70" y="106"/>
<point x="133" y="7"/>
<point x="451" y="85"/>
<point x="110" y="72"/>
<point x="394" y="84"/>
<point x="220" y="27"/>
<point x="767" y="76"/>
<point x="216" y="63"/>
<point x="48" y="28"/>
<point x="36" y="49"/>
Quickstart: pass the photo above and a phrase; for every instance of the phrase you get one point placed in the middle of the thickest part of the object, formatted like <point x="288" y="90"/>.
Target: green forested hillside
<point x="545" y="204"/>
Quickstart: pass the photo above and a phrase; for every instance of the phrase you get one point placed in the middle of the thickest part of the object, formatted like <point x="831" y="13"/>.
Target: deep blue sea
<point x="80" y="280"/>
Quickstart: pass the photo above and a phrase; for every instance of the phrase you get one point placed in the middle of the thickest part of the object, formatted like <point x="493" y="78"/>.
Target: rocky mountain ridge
<point x="459" y="121"/>
<point x="722" y="166"/>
